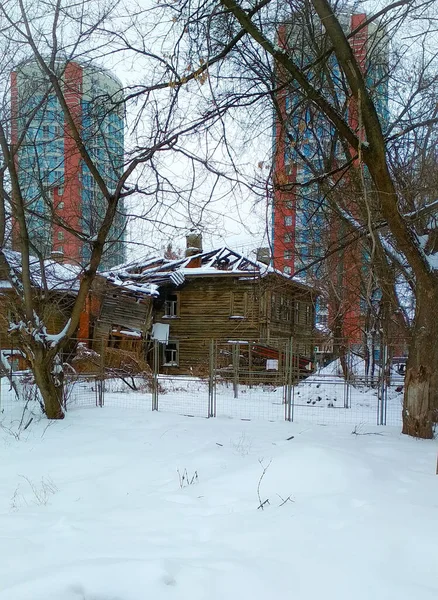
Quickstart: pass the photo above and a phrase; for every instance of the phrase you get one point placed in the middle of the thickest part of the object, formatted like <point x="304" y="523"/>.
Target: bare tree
<point x="398" y="223"/>
<point x="45" y="47"/>
<point x="227" y="56"/>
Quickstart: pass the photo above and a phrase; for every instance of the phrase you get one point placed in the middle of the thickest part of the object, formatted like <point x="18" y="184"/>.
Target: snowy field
<point x="115" y="504"/>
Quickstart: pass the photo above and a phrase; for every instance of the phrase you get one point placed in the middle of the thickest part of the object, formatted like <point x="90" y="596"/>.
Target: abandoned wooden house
<point x="224" y="296"/>
<point x="115" y="323"/>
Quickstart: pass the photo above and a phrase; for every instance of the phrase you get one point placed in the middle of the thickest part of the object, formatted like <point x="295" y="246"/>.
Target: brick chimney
<point x="264" y="255"/>
<point x="193" y="246"/>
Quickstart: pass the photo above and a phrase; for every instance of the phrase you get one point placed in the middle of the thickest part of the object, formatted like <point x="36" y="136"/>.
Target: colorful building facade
<point x="306" y="146"/>
<point x="64" y="205"/>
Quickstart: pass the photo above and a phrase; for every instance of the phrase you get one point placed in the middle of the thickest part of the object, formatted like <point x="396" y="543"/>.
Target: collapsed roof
<point x="221" y="262"/>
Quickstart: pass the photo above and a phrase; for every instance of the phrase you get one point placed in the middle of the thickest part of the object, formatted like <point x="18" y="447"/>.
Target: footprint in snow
<point x="82" y="594"/>
<point x="169" y="580"/>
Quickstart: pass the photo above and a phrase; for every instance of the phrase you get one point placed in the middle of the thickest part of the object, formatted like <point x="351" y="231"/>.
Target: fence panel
<point x="249" y="385"/>
<point x="238" y="379"/>
<point x="187" y="396"/>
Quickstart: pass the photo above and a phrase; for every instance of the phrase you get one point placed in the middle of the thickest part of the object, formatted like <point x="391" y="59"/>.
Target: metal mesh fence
<point x="183" y="395"/>
<point x="241" y="379"/>
<point x="250" y="380"/>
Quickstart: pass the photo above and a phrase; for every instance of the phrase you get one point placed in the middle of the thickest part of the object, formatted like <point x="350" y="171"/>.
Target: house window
<point x="46" y="132"/>
<point x="287" y="238"/>
<point x="171" y="307"/>
<point x="288" y="220"/>
<point x="286" y="309"/>
<point x="60" y="205"/>
<point x="275" y="307"/>
<point x="288" y="255"/>
<point x="289" y="204"/>
<point x="297" y="312"/>
<point x="239" y="304"/>
<point x="308" y="315"/>
<point x="171" y="354"/>
<point x="60" y="235"/>
<point x="60" y="190"/>
<point x="287" y="270"/>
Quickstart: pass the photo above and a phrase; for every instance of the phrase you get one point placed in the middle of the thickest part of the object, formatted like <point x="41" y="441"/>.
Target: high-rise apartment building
<point x="65" y="207"/>
<point x="306" y="146"/>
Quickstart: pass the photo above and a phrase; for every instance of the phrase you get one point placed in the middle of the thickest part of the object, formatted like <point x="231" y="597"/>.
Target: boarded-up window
<point x="276" y="307"/>
<point x="308" y="315"/>
<point x="297" y="312"/>
<point x="286" y="311"/>
<point x="239" y="304"/>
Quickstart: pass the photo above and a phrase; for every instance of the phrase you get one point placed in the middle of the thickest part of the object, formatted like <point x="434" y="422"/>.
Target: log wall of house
<point x="125" y="312"/>
<point x="228" y="308"/>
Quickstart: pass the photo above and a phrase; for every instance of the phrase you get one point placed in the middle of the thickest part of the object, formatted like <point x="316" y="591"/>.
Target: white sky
<point x="237" y="218"/>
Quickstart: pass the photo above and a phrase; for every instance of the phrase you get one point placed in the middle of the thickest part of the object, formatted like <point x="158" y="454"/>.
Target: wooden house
<point x="224" y="296"/>
<point x="115" y="323"/>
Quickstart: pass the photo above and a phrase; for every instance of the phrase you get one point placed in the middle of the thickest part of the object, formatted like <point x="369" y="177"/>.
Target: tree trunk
<point x="50" y="385"/>
<point x="340" y="344"/>
<point x="420" y="405"/>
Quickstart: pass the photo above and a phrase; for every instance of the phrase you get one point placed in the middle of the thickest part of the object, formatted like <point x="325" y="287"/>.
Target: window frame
<point x="171" y="308"/>
<point x="175" y="352"/>
<point x="297" y="312"/>
<point x="308" y="315"/>
<point x="243" y="300"/>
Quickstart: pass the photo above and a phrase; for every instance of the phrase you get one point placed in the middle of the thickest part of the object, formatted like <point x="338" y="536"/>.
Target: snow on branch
<point x="38" y="332"/>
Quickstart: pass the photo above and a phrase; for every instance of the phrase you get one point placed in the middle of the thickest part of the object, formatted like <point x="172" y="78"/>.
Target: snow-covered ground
<point x="97" y="507"/>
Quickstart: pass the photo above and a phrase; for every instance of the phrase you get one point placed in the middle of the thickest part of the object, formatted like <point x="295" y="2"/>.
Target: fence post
<point x="1" y="375"/>
<point x="236" y="361"/>
<point x="155" y="367"/>
<point x="250" y="365"/>
<point x="288" y="405"/>
<point x="100" y="383"/>
<point x="383" y="388"/>
<point x="212" y="380"/>
<point x="347" y="380"/>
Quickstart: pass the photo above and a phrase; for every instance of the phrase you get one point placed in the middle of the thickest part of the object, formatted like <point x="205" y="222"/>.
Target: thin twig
<point x="262" y="502"/>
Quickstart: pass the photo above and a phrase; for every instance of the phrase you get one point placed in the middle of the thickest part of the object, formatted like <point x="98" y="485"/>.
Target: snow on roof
<point x="59" y="277"/>
<point x="219" y="262"/>
<point x="149" y="289"/>
<point x="65" y="277"/>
